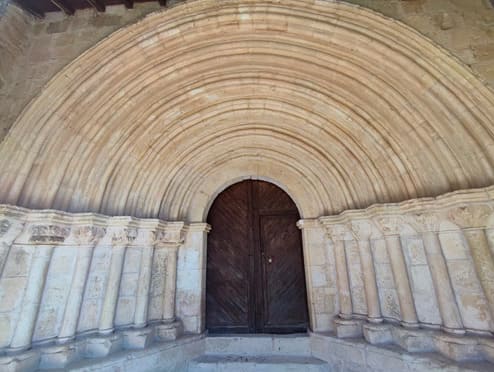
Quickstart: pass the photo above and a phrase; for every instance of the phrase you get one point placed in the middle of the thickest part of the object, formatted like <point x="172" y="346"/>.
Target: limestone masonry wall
<point x="419" y="274"/>
<point x="32" y="51"/>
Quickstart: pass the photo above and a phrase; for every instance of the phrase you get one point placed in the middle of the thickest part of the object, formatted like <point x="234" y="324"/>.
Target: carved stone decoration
<point x="425" y="222"/>
<point x="337" y="232"/>
<point x="4" y="226"/>
<point x="362" y="229"/>
<point x="123" y="236"/>
<point x="390" y="225"/>
<point x="88" y="235"/>
<point x="48" y="234"/>
<point x="173" y="234"/>
<point x="471" y="216"/>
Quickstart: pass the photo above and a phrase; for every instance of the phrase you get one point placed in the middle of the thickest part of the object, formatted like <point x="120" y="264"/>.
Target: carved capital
<point x="362" y="229"/>
<point x="425" y="222"/>
<point x="88" y="235"/>
<point x="172" y="234"/>
<point x="48" y="234"/>
<point x="337" y="232"/>
<point x="390" y="225"/>
<point x="10" y="229"/>
<point x="124" y="236"/>
<point x="471" y="216"/>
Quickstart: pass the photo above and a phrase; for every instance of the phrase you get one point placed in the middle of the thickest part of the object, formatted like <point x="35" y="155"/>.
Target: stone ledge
<point x="459" y="348"/>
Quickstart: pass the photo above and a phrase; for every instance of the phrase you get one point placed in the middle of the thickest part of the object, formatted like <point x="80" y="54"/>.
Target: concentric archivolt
<point x="338" y="105"/>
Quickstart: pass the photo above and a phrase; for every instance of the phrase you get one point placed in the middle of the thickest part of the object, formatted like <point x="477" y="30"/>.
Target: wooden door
<point x="255" y="279"/>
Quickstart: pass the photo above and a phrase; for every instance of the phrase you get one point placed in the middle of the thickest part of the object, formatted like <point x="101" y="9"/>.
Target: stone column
<point x="12" y="220"/>
<point x="337" y="234"/>
<point x="390" y="226"/>
<point x="191" y="278"/>
<point x="170" y="240"/>
<point x="428" y="225"/>
<point x="473" y="220"/>
<point x="146" y="240"/>
<point x="121" y="232"/>
<point x="43" y="238"/>
<point x="86" y="238"/>
<point x="362" y="230"/>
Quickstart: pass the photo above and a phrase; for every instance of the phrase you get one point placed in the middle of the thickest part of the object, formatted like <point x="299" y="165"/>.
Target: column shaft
<point x="399" y="269"/>
<point x="142" y="301"/>
<point x="343" y="282"/>
<point x="483" y="261"/>
<point x="170" y="285"/>
<point x="371" y="292"/>
<point x="32" y="297"/>
<point x="73" y="307"/>
<point x="112" y="289"/>
<point x="440" y="277"/>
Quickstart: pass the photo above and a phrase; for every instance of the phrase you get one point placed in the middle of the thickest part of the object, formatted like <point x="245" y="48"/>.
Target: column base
<point x="168" y="331"/>
<point x="137" y="338"/>
<point x="454" y="331"/>
<point x="460" y="349"/>
<point x="409" y="325"/>
<point x="58" y="356"/>
<point x="378" y="334"/>
<point x="348" y="328"/>
<point x="27" y="361"/>
<point x="413" y="341"/>
<point x="101" y="346"/>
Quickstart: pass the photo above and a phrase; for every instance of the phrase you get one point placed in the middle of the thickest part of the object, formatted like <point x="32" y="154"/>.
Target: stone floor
<point x="302" y="352"/>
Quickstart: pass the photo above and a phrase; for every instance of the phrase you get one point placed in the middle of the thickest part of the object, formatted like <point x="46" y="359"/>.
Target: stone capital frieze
<point x="88" y="234"/>
<point x="425" y="222"/>
<point x="338" y="232"/>
<point x="471" y="216"/>
<point x="48" y="234"/>
<point x="10" y="229"/>
<point x="172" y="235"/>
<point x="390" y="225"/>
<point x="198" y="227"/>
<point x="362" y="229"/>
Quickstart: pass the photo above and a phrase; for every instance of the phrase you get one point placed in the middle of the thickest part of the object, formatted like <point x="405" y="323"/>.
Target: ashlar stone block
<point x="377" y="334"/>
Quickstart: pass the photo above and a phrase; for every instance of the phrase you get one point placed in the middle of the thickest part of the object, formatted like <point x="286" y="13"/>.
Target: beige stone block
<point x="101" y="346"/>
<point x="58" y="356"/>
<point x="377" y="334"/>
<point x="137" y="338"/>
<point x="169" y="331"/>
<point x="27" y="361"/>
<point x="459" y="349"/>
<point x="413" y="341"/>
<point x="351" y="328"/>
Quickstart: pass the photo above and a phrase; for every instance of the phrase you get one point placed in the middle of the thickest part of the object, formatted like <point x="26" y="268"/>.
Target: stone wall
<point x="418" y="274"/>
<point x="63" y="275"/>
<point x="39" y="48"/>
<point x="425" y="263"/>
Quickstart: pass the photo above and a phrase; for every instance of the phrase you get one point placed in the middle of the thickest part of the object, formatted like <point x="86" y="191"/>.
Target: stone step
<point x="259" y="344"/>
<point x="257" y="363"/>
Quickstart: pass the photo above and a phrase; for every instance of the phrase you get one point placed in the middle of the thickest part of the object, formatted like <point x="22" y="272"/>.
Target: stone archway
<point x="157" y="117"/>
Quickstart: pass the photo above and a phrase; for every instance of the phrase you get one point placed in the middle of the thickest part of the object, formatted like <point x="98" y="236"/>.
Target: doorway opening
<point x="255" y="281"/>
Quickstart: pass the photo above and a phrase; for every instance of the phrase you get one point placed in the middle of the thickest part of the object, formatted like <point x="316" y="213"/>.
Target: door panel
<point x="285" y="307"/>
<point x="253" y="221"/>
<point x="228" y="262"/>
